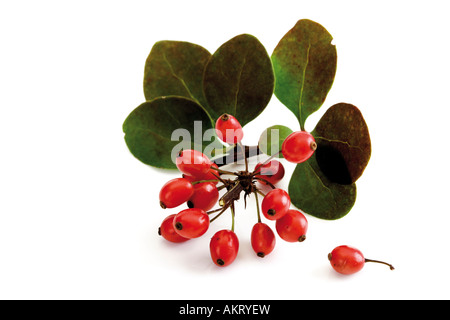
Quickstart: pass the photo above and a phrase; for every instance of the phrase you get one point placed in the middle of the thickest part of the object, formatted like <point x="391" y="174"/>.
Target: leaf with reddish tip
<point x="324" y="186"/>
<point x="344" y="146"/>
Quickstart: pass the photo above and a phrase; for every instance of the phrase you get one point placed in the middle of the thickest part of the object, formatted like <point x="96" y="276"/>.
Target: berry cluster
<point x="202" y="180"/>
<point x="199" y="187"/>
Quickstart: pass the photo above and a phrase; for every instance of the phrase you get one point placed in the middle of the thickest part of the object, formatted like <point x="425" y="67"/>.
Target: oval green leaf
<point x="175" y="68"/>
<point x="149" y="130"/>
<point x="304" y="63"/>
<point x="312" y="192"/>
<point x="272" y="138"/>
<point x="343" y="143"/>
<point x="239" y="79"/>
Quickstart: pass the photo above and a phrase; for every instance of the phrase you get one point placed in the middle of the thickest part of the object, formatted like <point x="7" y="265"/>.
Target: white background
<point x="79" y="214"/>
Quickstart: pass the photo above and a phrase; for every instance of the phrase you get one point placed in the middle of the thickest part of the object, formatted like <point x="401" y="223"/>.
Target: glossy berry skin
<point x="175" y="192"/>
<point x="193" y="163"/>
<point x="224" y="247"/>
<point x="276" y="204"/>
<point x="273" y="172"/>
<point x="298" y="147"/>
<point x="167" y="230"/>
<point x="210" y="175"/>
<point x="262" y="239"/>
<point x="191" y="223"/>
<point x="228" y="129"/>
<point x="292" y="226"/>
<point x="346" y="259"/>
<point x="205" y="196"/>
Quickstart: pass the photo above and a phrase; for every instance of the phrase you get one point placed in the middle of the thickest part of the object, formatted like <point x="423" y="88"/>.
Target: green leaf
<point x="304" y="63"/>
<point x="175" y="68"/>
<point x="239" y="79"/>
<point x="149" y="130"/>
<point x="272" y="138"/>
<point x="313" y="193"/>
<point x="343" y="143"/>
<point x="324" y="186"/>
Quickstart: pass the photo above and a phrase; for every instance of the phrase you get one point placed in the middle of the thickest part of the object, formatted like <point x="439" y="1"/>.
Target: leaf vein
<point x="183" y="83"/>
<point x="302" y="87"/>
<point x="322" y="183"/>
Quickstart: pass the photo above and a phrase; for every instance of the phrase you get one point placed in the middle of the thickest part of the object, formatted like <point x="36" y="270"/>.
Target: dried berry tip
<point x="313" y="146"/>
<point x="162" y="205"/>
<point x="220" y="262"/>
<point x="330" y="256"/>
<point x="271" y="212"/>
<point x="179" y="226"/>
<point x="225" y="117"/>
<point x="260" y="254"/>
<point x="302" y="238"/>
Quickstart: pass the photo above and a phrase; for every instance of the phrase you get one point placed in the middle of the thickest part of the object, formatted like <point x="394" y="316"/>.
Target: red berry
<point x="272" y="171"/>
<point x="205" y="196"/>
<point x="167" y="231"/>
<point x="298" y="147"/>
<point x="224" y="247"/>
<point x="346" y="260"/>
<point x="349" y="260"/>
<point x="276" y="204"/>
<point x="193" y="163"/>
<point x="210" y="175"/>
<point x="191" y="223"/>
<point x="262" y="239"/>
<point x="292" y="226"/>
<point x="228" y="129"/>
<point x="175" y="192"/>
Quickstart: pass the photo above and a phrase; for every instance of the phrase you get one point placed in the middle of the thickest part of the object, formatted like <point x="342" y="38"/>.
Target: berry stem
<point x="264" y="180"/>
<point x="232" y="194"/>
<point x="201" y="181"/>
<point x="215" y="210"/>
<point x="232" y="216"/>
<point x="382" y="262"/>
<point x="219" y="214"/>
<point x="265" y="162"/>
<point x="243" y="155"/>
<point x="257" y="206"/>
<point x="223" y="171"/>
<point x="219" y="178"/>
<point x="260" y="192"/>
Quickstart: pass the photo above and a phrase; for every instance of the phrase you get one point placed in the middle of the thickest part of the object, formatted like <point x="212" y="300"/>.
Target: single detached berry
<point x="193" y="163"/>
<point x="210" y="175"/>
<point x="175" y="192"/>
<point x="262" y="239"/>
<point x="292" y="226"/>
<point x="228" y="129"/>
<point x="224" y="247"/>
<point x="276" y="204"/>
<point x="167" y="230"/>
<point x="272" y="171"/>
<point x="349" y="260"/>
<point x="298" y="147"/>
<point x="191" y="223"/>
<point x="205" y="196"/>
